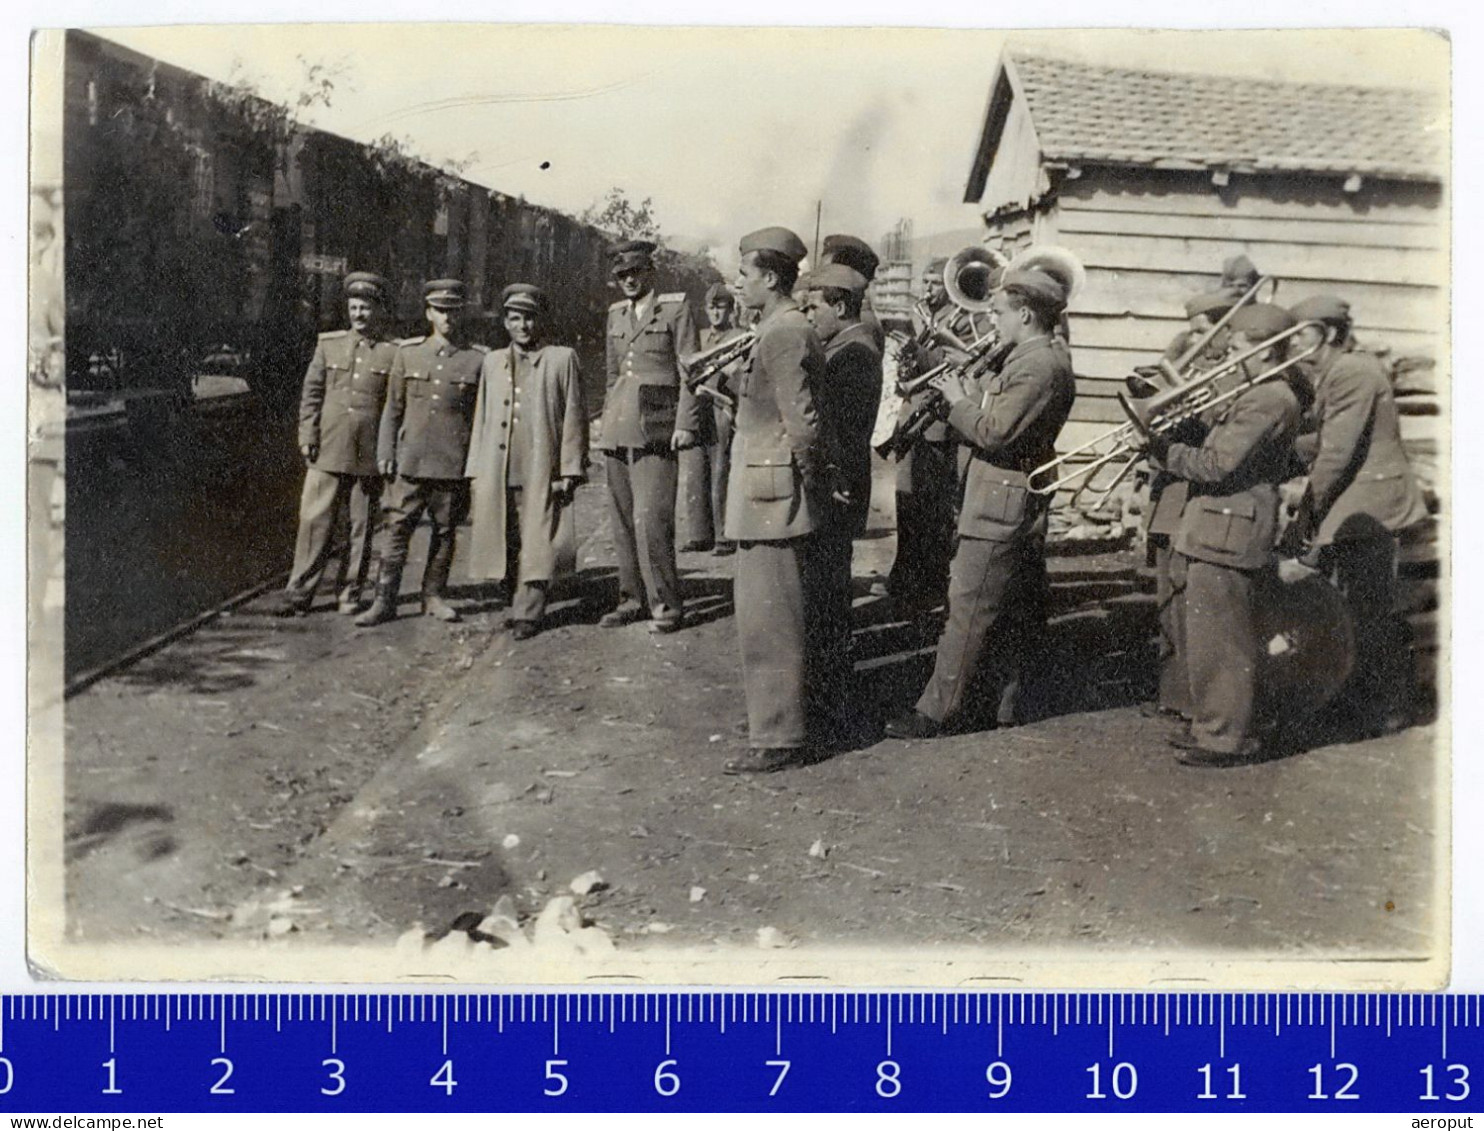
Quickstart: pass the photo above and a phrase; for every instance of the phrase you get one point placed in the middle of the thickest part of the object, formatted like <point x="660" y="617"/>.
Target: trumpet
<point x="1158" y="415"/>
<point x="981" y="353"/>
<point x="703" y="365"/>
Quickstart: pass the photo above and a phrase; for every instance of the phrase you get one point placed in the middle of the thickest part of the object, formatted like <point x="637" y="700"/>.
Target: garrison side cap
<point x="780" y="240"/>
<point x="1037" y="283"/>
<point x="1213" y="303"/>
<point x="1330" y="309"/>
<point x="837" y="276"/>
<point x="720" y="293"/>
<point x="852" y="251"/>
<point x="1261" y="320"/>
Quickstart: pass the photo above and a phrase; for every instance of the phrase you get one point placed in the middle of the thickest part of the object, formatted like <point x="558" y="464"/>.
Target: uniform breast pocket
<point x="337" y="376"/>
<point x="418" y="386"/>
<point x="374" y="382"/>
<point x="463" y="389"/>
<point x="998" y="497"/>
<point x="657" y="342"/>
<point x="768" y="476"/>
<point x="1223" y="525"/>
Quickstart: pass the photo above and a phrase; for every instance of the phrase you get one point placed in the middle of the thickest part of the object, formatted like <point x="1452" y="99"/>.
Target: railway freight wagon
<point x="208" y="233"/>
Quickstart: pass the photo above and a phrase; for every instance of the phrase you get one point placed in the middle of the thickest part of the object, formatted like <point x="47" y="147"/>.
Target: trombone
<point x="700" y="367"/>
<point x="1160" y="414"/>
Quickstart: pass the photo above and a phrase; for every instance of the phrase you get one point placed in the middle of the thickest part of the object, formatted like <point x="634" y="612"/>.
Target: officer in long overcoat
<point x="527" y="456"/>
<point x="339" y="412"/>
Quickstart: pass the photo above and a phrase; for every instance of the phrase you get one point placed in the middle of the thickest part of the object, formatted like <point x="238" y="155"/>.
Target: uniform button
<point x="502" y="447"/>
<point x="505" y="402"/>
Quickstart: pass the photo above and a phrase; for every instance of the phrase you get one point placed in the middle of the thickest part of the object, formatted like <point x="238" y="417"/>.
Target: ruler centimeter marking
<point x="1380" y="1048"/>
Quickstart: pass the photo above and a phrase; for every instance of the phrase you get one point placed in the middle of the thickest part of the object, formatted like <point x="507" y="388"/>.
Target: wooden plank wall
<point x="1151" y="239"/>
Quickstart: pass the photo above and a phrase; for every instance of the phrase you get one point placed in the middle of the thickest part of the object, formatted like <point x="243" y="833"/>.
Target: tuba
<point x="972" y="275"/>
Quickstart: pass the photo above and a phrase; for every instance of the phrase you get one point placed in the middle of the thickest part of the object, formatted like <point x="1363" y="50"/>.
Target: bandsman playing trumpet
<point x="997" y="587"/>
<point x="1224" y="544"/>
<point x="704" y="467"/>
<point x="927" y="472"/>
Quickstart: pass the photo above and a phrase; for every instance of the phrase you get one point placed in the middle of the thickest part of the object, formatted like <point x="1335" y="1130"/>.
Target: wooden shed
<point x="1154" y="178"/>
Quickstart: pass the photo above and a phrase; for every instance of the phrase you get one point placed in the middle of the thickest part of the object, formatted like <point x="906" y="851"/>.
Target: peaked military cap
<point x="1330" y="309"/>
<point x="524" y="296"/>
<point x="633" y="255"/>
<point x="1261" y="320"/>
<point x="1037" y="283"/>
<point x="1214" y="304"/>
<point x="444" y="294"/>
<point x="851" y="251"/>
<point x="837" y="276"/>
<point x="365" y="284"/>
<point x="781" y="240"/>
<point x="719" y="292"/>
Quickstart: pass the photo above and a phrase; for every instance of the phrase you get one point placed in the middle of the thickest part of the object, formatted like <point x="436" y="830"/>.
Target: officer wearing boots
<point x="424" y="443"/>
<point x="1361" y="495"/>
<point x="649" y="417"/>
<point x="704" y="467"/>
<point x="339" y="411"/>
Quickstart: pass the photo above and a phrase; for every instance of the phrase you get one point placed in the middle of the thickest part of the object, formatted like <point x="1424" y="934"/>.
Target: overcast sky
<point x="727" y="130"/>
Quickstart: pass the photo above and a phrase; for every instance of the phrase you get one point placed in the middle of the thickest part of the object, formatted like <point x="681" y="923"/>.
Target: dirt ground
<point x="305" y="780"/>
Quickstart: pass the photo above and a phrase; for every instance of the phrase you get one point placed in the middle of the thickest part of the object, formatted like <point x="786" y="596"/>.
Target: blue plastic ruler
<point x="736" y="1051"/>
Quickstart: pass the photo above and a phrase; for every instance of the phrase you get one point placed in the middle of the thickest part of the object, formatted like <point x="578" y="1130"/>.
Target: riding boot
<point x="435" y="578"/>
<point x="384" y="607"/>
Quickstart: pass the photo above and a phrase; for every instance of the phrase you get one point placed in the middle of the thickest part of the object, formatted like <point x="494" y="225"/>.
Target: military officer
<point x="773" y="501"/>
<point x="1361" y="495"/>
<point x="649" y="416"/>
<point x="927" y="472"/>
<point x="424" y="442"/>
<point x="856" y="253"/>
<point x="1224" y="549"/>
<point x="527" y="456"/>
<point x="704" y="467"/>
<point x="339" y="410"/>
<point x="997" y="588"/>
<point x="847" y="399"/>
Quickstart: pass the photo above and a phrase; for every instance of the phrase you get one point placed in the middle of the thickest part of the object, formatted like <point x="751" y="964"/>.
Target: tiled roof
<point x="1087" y="113"/>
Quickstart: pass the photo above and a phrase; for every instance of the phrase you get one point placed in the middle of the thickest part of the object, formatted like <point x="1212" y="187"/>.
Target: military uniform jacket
<point x="430" y="408"/>
<point x="1013" y="430"/>
<point x="1360" y="484"/>
<point x="775" y="436"/>
<point x="647" y="401"/>
<point x="1231" y="518"/>
<point x="848" y="399"/>
<point x="340" y="406"/>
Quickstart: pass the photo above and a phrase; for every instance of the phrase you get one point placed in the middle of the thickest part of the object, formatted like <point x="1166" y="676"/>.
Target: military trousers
<point x="641" y="495"/>
<point x="997" y="605"/>
<point x="830" y="675"/>
<point x="328" y="496"/>
<point x="703" y="484"/>
<point x="1218" y="638"/>
<point x="445" y="502"/>
<point x="1174" y="684"/>
<point x="927" y="497"/>
<point x="1364" y="571"/>
<point x="527" y="598"/>
<point x="769" y="591"/>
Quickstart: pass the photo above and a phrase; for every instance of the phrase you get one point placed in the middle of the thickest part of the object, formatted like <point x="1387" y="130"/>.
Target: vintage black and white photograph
<point x="540" y="503"/>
